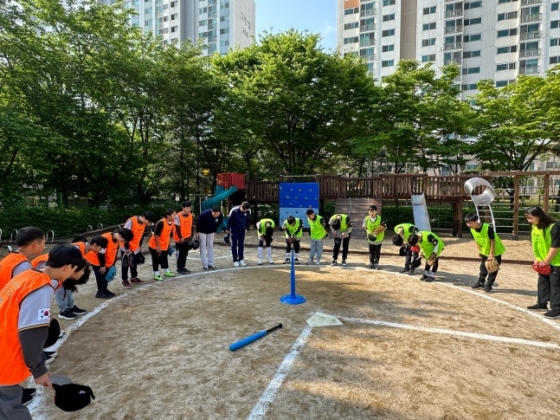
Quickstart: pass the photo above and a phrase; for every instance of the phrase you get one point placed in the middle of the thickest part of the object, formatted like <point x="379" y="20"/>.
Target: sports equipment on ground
<point x="492" y="266"/>
<point x="241" y="343"/>
<point x="111" y="273"/>
<point x="542" y="268"/>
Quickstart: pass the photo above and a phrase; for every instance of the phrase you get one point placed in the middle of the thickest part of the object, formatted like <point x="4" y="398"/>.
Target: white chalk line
<point x="260" y="408"/>
<point x="477" y="336"/>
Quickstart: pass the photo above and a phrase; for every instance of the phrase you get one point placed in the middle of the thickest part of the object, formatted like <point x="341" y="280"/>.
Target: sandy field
<point x="406" y="349"/>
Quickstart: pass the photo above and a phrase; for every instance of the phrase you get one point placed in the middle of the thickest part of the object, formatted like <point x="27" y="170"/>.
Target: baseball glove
<point x="542" y="268"/>
<point x="140" y="259"/>
<point x="128" y="260"/>
<point x="290" y="240"/>
<point x="492" y="266"/>
<point x="416" y="263"/>
<point x="432" y="259"/>
<point x="402" y="251"/>
<point x="110" y="273"/>
<point x="371" y="237"/>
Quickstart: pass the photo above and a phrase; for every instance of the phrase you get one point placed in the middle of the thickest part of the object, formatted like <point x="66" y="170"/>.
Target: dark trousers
<point x="336" y="248"/>
<point x="237" y="243"/>
<point x="266" y="241"/>
<point x="482" y="276"/>
<point x="124" y="270"/>
<point x="11" y="406"/>
<point x="548" y="289"/>
<point x="409" y="258"/>
<point x="99" y="278"/>
<point x="159" y="259"/>
<point x="289" y="246"/>
<point x="183" y="253"/>
<point x="434" y="266"/>
<point x="374" y="253"/>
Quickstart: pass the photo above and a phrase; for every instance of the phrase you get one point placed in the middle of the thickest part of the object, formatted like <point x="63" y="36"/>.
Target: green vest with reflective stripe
<point x="262" y="226"/>
<point x="407" y="230"/>
<point x="541" y="240"/>
<point x="371" y="225"/>
<point x="316" y="229"/>
<point x="483" y="241"/>
<point x="343" y="222"/>
<point x="291" y="229"/>
<point x="426" y="246"/>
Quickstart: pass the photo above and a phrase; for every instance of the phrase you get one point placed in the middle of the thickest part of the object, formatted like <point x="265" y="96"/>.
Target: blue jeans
<point x="237" y="242"/>
<point x="64" y="298"/>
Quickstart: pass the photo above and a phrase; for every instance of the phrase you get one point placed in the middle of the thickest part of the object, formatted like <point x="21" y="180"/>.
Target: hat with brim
<point x="69" y="396"/>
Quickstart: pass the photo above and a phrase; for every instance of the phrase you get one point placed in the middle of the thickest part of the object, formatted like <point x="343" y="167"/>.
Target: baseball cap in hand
<point x="69" y="396"/>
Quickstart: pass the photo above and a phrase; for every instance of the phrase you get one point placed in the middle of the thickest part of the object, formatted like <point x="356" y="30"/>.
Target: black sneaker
<point x="487" y="289"/>
<point x="334" y="263"/>
<point x="78" y="311"/>
<point x="49" y="358"/>
<point x="211" y="267"/>
<point x="67" y="314"/>
<point x="27" y="395"/>
<point x="404" y="271"/>
<point x="205" y="268"/>
<point x="104" y="295"/>
<point x="424" y="277"/>
<point x="411" y="273"/>
<point x="286" y="261"/>
<point x="51" y="353"/>
<point x="377" y="267"/>
<point x="344" y="263"/>
<point x="296" y="261"/>
<point x="477" y="285"/>
<point x="370" y="266"/>
<point x="552" y="314"/>
<point x="538" y="307"/>
<point x="184" y="271"/>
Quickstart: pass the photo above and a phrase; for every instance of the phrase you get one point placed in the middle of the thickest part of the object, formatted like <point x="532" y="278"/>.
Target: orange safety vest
<point x="7" y="265"/>
<point x="164" y="236"/>
<point x="40" y="259"/>
<point x="110" y="252"/>
<point x="81" y="245"/>
<point x="185" y="224"/>
<point x="138" y="229"/>
<point x="13" y="369"/>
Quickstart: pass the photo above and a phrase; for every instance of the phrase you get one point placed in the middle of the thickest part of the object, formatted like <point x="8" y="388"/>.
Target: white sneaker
<point x="259" y="261"/>
<point x="236" y="264"/>
<point x="270" y="261"/>
<point x="242" y="263"/>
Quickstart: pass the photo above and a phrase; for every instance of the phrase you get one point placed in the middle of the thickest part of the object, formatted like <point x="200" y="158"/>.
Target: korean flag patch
<point x="43" y="314"/>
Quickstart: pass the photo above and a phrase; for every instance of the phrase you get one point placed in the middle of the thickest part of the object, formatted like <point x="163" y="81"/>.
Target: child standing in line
<point x="159" y="244"/>
<point x="294" y="231"/>
<point x="317" y="231"/>
<point x="403" y="232"/>
<point x="265" y="230"/>
<point x="30" y="243"/>
<point x="431" y="246"/>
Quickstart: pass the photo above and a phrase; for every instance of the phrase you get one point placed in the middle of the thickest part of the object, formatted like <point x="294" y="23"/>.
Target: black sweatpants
<point x="183" y="253"/>
<point x="159" y="259"/>
<point x="374" y="253"/>
<point x="345" y="245"/>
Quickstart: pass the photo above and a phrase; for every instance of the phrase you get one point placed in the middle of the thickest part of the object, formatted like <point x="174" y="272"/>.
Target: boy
<point x="341" y="228"/>
<point x="431" y="246"/>
<point x="159" y="244"/>
<point x="265" y="230"/>
<point x="207" y="225"/>
<point x="137" y="224"/>
<point x="375" y="232"/>
<point x="182" y="234"/>
<point x="25" y="311"/>
<point x="317" y="231"/>
<point x="101" y="262"/>
<point x="294" y="231"/>
<point x="30" y="242"/>
<point x="490" y="248"/>
<point x="238" y="222"/>
<point x="403" y="232"/>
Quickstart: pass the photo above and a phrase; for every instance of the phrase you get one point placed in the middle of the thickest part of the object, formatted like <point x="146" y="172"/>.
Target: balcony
<point x="530" y="35"/>
<point x="458" y="61"/>
<point x="530" y="70"/>
<point x="369" y="12"/>
<point x="454" y="13"/>
<point x="530" y="2"/>
<point x="530" y="53"/>
<point x="454" y="46"/>
<point x="367" y="28"/>
<point x="367" y="42"/>
<point x="453" y="29"/>
<point x="531" y="18"/>
<point x="369" y="57"/>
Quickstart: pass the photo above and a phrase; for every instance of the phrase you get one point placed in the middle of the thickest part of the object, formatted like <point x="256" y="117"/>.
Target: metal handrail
<point x="89" y="228"/>
<point x="100" y="226"/>
<point x="12" y="234"/>
<point x="52" y="236"/>
<point x="0" y="234"/>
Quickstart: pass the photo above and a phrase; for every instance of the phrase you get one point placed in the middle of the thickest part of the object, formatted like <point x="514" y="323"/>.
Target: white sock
<point x="259" y="252"/>
<point x="167" y="270"/>
<point x="156" y="273"/>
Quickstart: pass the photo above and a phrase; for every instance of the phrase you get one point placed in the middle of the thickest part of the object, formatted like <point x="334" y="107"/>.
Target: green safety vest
<point x="542" y="240"/>
<point x="343" y="222"/>
<point x="291" y="229"/>
<point x="316" y="229"/>
<point x="262" y="226"/>
<point x="483" y="241"/>
<point x="426" y="246"/>
<point x="371" y="226"/>
<point x="407" y="228"/>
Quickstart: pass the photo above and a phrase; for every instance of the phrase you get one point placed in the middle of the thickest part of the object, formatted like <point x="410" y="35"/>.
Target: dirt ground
<point x="406" y="350"/>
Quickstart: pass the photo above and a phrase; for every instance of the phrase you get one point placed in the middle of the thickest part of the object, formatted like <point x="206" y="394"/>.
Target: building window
<point x="224" y="31"/>
<point x="387" y="18"/>
<point x="505" y="50"/>
<point x="554" y="6"/>
<point x="387" y="48"/>
<point x="429" y="10"/>
<point x="507" y="16"/>
<point x="473" y="5"/>
<point x="174" y="16"/>
<point x="388" y="2"/>
<point x="388" y="32"/>
<point x="471" y="86"/>
<point x="471" y="70"/>
<point x="507" y="32"/>
<point x="429" y="57"/>
<point x="174" y="29"/>
<point x="428" y="26"/>
<point x="388" y="63"/>
<point x="173" y="4"/>
<point x="505" y="1"/>
<point x="351" y="40"/>
<point x="554" y="42"/>
<point x="428" y="42"/>
<point x="554" y="24"/>
<point x="505" y="66"/>
<point x="471" y="54"/>
<point x="352" y="25"/>
<point x="351" y="11"/>
<point x="474" y="37"/>
<point x="473" y="21"/>
<point x="555" y="60"/>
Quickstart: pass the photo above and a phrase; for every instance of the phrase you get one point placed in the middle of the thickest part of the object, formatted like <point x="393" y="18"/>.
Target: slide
<point x="218" y="198"/>
<point x="420" y="211"/>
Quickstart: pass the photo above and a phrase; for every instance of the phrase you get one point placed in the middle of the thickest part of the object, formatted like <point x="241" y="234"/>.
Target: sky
<point x="316" y="16"/>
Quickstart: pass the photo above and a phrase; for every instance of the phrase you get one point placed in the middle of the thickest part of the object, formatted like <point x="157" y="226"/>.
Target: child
<point x="30" y="242"/>
<point x="159" y="243"/>
<point x="341" y="228"/>
<point x="182" y="234"/>
<point x="431" y="246"/>
<point x="317" y="231"/>
<point x="294" y="231"/>
<point x="375" y="232"/>
<point x="207" y="225"/>
<point x="403" y="232"/>
<point x="239" y="219"/>
<point x="265" y="230"/>
<point x="25" y="310"/>
<point x="137" y="224"/>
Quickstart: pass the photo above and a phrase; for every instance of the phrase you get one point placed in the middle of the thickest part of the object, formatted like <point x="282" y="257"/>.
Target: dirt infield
<point x="406" y="349"/>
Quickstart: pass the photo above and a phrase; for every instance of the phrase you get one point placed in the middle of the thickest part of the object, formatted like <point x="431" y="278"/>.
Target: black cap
<point x="186" y="204"/>
<point x="150" y="215"/>
<point x="72" y="397"/>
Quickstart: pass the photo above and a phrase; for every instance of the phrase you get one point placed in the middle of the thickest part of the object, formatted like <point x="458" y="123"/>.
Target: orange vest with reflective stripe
<point x="13" y="369"/>
<point x="40" y="259"/>
<point x="110" y="252"/>
<point x="164" y="236"/>
<point x="186" y="223"/>
<point x="7" y="265"/>
<point x="138" y="229"/>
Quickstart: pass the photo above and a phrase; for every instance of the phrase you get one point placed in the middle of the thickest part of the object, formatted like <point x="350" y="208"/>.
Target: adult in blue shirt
<point x="206" y="227"/>
<point x="238" y="222"/>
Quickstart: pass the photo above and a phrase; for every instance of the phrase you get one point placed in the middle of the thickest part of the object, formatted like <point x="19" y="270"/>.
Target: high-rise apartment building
<point x="488" y="39"/>
<point x="222" y="24"/>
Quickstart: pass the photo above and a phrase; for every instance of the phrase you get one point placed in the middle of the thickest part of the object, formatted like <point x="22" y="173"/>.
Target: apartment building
<point x="221" y="24"/>
<point x="488" y="39"/>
